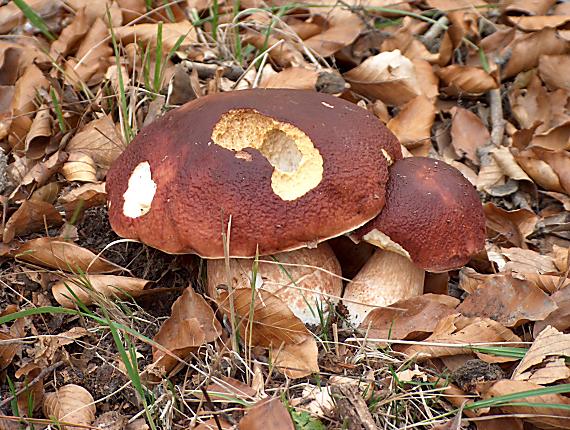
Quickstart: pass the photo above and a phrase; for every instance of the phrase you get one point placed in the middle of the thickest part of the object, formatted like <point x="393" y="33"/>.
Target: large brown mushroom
<point x="286" y="169"/>
<point x="433" y="221"/>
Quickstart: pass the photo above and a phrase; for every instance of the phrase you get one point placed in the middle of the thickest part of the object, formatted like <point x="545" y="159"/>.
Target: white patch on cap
<point x="140" y="192"/>
<point x="327" y="105"/>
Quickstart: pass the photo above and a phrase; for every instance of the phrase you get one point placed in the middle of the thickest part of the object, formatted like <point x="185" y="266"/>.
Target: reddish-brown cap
<point x="432" y="212"/>
<point x="292" y="168"/>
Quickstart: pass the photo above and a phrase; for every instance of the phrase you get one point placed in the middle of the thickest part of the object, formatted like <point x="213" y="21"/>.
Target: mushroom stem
<point x="385" y="278"/>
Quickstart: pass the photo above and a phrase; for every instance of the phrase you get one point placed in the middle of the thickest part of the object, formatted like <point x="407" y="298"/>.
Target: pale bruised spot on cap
<point x="140" y="191"/>
<point x="297" y="164"/>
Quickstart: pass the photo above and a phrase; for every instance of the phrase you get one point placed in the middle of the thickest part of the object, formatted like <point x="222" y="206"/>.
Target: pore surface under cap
<point x="291" y="168"/>
<point x="432" y="212"/>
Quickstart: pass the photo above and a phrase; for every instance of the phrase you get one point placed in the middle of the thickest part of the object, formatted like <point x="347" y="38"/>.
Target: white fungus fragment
<point x="140" y="192"/>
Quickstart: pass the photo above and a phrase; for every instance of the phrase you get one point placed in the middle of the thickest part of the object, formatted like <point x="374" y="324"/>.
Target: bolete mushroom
<point x="433" y="221"/>
<point x="290" y="169"/>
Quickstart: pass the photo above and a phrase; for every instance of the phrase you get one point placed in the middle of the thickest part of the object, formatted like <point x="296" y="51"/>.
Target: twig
<point x="497" y="120"/>
<point x="40" y="376"/>
<point x="206" y="70"/>
<point x="435" y="30"/>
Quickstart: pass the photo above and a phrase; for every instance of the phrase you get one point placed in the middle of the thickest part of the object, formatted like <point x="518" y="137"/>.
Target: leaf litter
<point x="481" y="85"/>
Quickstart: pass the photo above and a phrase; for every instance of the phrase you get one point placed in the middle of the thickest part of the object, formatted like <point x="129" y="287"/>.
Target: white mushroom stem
<point x="305" y="279"/>
<point x="386" y="278"/>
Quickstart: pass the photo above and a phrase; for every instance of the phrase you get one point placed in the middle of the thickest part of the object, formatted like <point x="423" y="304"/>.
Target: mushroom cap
<point x="291" y="168"/>
<point x="306" y="280"/>
<point x="432" y="212"/>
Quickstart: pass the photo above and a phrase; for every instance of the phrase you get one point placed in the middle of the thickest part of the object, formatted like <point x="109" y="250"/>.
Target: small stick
<point x="435" y="30"/>
<point x="40" y="376"/>
<point x="497" y="120"/>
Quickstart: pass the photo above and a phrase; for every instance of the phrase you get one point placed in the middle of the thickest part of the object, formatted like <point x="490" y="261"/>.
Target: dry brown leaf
<point x="343" y="27"/>
<point x="191" y="324"/>
<point x="48" y="193"/>
<point x="549" y="343"/>
<point x="31" y="216"/>
<point x="59" y="254"/>
<point x="412" y="126"/>
<point x="70" y="404"/>
<point x="530" y="105"/>
<point x="71" y="35"/>
<point x="535" y="23"/>
<point x="405" y="40"/>
<point x="268" y="414"/>
<point x="31" y="397"/>
<point x="281" y="51"/>
<point x="269" y="323"/>
<point x="547" y="283"/>
<point x="560" y="318"/>
<point x="406" y="319"/>
<point x="467" y="79"/>
<point x="87" y="287"/>
<point x="509" y="301"/>
<point x="498" y="422"/>
<point x="528" y="261"/>
<point x="539" y="170"/>
<point x="514" y="226"/>
<point x="388" y="76"/>
<point x="79" y="167"/>
<point x="427" y="79"/>
<point x="292" y="77"/>
<point x="508" y="164"/>
<point x="39" y="134"/>
<point x="556" y="138"/>
<point x="455" y="329"/>
<point x="526" y="7"/>
<point x="552" y="68"/>
<point x="526" y="49"/>
<point x="83" y="197"/>
<point x="101" y="140"/>
<point x="11" y="15"/>
<point x="39" y="173"/>
<point x="541" y="416"/>
<point x="229" y="387"/>
<point x="8" y="349"/>
<point x="468" y="133"/>
<point x="147" y="34"/>
<point x="22" y="105"/>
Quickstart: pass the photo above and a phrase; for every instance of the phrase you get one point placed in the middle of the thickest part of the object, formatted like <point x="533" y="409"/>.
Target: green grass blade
<point x="34" y="18"/>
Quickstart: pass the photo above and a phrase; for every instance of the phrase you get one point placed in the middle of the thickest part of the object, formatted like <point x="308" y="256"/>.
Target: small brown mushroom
<point x="433" y="221"/>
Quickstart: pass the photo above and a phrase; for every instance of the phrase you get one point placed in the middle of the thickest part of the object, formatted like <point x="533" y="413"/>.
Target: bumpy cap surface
<point x="432" y="213"/>
<point x="292" y="168"/>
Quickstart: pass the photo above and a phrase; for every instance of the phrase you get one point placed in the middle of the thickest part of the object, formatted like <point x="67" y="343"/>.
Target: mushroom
<point x="286" y="169"/>
<point x="433" y="221"/>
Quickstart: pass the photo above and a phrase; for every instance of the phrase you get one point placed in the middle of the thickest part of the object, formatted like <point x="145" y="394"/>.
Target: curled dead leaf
<point x="507" y="300"/>
<point x="71" y="404"/>
<point x="31" y="216"/>
<point x="388" y="76"/>
<point x="83" y="197"/>
<point x="59" y="254"/>
<point x="268" y="414"/>
<point x="412" y="125"/>
<point x="79" y="167"/>
<point x="467" y="79"/>
<point x="343" y="27"/>
<point x="514" y="226"/>
<point x="88" y="288"/>
<point x="468" y="133"/>
<point x="268" y="323"/>
<point x="406" y="319"/>
<point x="191" y="324"/>
<point x="535" y="408"/>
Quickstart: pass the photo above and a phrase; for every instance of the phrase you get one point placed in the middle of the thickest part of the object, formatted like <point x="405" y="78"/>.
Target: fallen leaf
<point x="59" y="254"/>
<point x="525" y="50"/>
<point x="513" y="226"/>
<point x="412" y="126"/>
<point x="269" y="323"/>
<point x="87" y="289"/>
<point x="541" y="415"/>
<point x="455" y="329"/>
<point x="79" y="167"/>
<point x="343" y="27"/>
<point x="551" y="70"/>
<point x="147" y="34"/>
<point x="388" y="76"/>
<point x="38" y="137"/>
<point x="410" y="318"/>
<point x="191" y="324"/>
<point x="292" y="77"/>
<point x="101" y="140"/>
<point x="8" y="349"/>
<point x="509" y="301"/>
<point x="71" y="35"/>
<point x="498" y="422"/>
<point x="467" y="79"/>
<point x="12" y="16"/>
<point x="468" y="133"/>
<point x="536" y="23"/>
<point x="31" y="397"/>
<point x="269" y="414"/>
<point x="83" y="197"/>
<point x="549" y="343"/>
<point x="70" y="404"/>
<point x="559" y="318"/>
<point x="527" y="261"/>
<point x="31" y="216"/>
